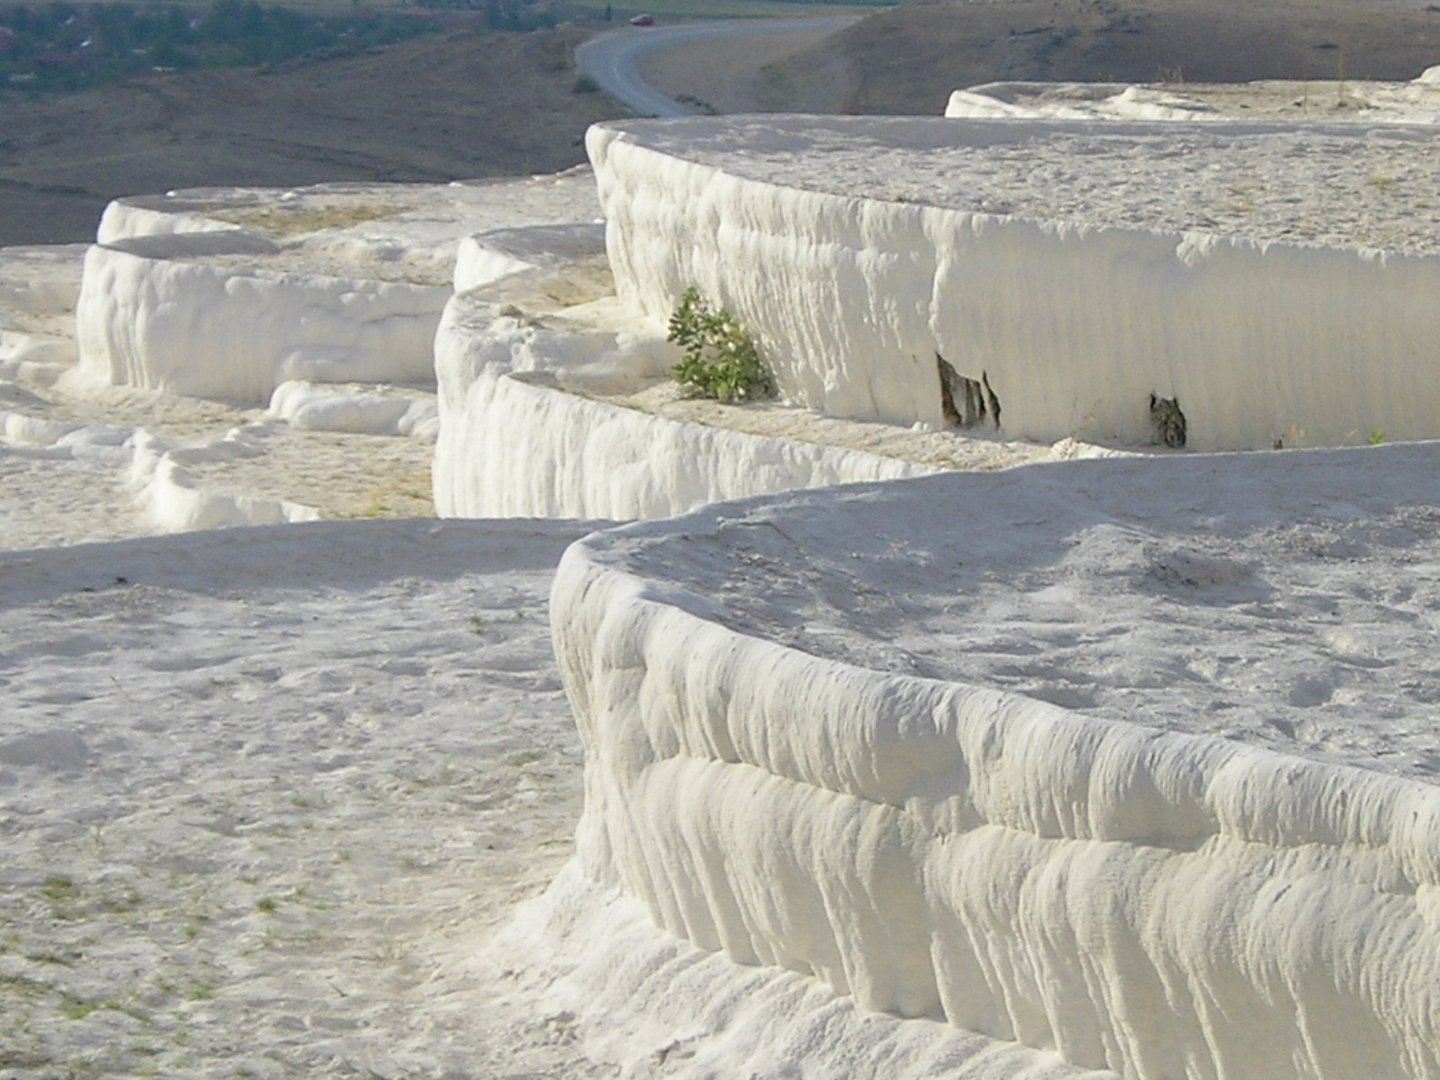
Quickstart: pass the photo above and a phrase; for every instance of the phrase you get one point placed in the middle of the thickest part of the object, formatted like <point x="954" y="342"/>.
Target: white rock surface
<point x="159" y="215"/>
<point x="1280" y="913"/>
<point x="856" y="250"/>
<point x="1153" y="902"/>
<point x="369" y="230"/>
<point x="174" y="501"/>
<point x="589" y="956"/>
<point x="360" y="724"/>
<point x="263" y="790"/>
<point x="155" y="313"/>
<point x="1415" y="102"/>
<point x="487" y="257"/>
<point x="522" y="435"/>
<point x="39" y="287"/>
<point x="226" y="293"/>
<point x="364" y="410"/>
<point x="83" y="462"/>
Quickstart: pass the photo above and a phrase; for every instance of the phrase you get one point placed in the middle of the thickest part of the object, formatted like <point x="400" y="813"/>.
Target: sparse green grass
<point x="58" y="959"/>
<point x="59" y="889"/>
<point x="284" y="221"/>
<point x="202" y="991"/>
<point x="129" y="901"/>
<point x="23" y="985"/>
<point x="441" y="777"/>
<point x="267" y="905"/>
<point x="21" y="1059"/>
<point x="404" y="498"/>
<point x="74" y="1008"/>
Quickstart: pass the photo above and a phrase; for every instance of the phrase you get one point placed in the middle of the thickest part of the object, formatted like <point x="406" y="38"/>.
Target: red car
<point x="643" y="20"/>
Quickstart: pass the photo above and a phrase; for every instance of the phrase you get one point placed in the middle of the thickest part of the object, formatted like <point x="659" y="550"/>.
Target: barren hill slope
<point x="908" y="59"/>
<point x="437" y="108"/>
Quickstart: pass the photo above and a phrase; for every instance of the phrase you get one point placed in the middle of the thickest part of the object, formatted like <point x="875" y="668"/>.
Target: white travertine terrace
<point x="174" y="501"/>
<point x="228" y="293"/>
<point x="842" y="798"/>
<point x="1060" y="261"/>
<point x="522" y="361"/>
<point x="254" y="296"/>
<point x="1158" y="903"/>
<point x="161" y="313"/>
<point x="38" y="291"/>
<point x="1415" y="102"/>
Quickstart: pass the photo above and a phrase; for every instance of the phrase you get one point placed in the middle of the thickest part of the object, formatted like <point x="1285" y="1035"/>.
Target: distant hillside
<point x="437" y="108"/>
<point x="908" y="59"/>
<point x="62" y="47"/>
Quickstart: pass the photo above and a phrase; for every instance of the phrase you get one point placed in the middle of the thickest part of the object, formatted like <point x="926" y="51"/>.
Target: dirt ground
<point x="470" y="105"/>
<point x="908" y="59"/>
<point x="726" y="73"/>
<point x="458" y="106"/>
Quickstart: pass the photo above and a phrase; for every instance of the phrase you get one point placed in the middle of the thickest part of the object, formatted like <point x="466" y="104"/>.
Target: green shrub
<point x="721" y="359"/>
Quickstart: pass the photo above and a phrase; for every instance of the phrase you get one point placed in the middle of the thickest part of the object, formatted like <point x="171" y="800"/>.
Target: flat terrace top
<point x="1351" y="185"/>
<point x="1288" y="100"/>
<point x="1289" y="600"/>
<point x="381" y="232"/>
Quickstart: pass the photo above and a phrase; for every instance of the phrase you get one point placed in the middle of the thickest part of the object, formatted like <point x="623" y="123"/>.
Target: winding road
<point x="611" y="58"/>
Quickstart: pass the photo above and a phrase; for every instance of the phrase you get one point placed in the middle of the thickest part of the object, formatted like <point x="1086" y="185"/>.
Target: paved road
<point x="610" y="59"/>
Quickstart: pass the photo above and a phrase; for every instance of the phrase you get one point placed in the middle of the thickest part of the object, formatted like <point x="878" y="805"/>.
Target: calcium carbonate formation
<point x="864" y="251"/>
<point x="156" y="313"/>
<point x="1303" y="101"/>
<point x="524" y="364"/>
<point x="1155" y="903"/>
<point x="251" y="297"/>
<point x="228" y="293"/>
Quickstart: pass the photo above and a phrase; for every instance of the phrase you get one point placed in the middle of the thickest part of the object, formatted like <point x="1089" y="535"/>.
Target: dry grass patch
<point x="283" y="220"/>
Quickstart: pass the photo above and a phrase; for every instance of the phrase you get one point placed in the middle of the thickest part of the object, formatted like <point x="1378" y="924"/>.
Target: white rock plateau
<point x="1076" y="269"/>
<point x="1160" y="903"/>
<point x="1415" y="102"/>
<point x="524" y="367"/>
<point x="228" y="293"/>
<point x="1090" y="769"/>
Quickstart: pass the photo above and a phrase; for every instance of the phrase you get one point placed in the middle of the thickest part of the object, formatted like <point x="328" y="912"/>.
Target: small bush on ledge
<point x="721" y="359"/>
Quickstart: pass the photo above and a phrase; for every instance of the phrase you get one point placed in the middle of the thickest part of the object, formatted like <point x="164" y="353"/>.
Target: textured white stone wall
<point x="1074" y="326"/>
<point x="188" y="314"/>
<point x="153" y="215"/>
<point x="514" y="443"/>
<point x="1076" y="101"/>
<point x="1415" y="102"/>
<point x="1162" y="905"/>
<point x="173" y="501"/>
